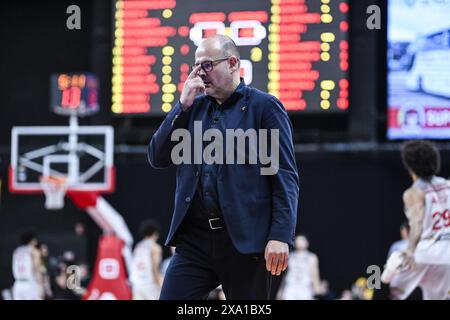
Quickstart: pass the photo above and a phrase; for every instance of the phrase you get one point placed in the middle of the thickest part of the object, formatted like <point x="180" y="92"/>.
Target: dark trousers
<point x="205" y="258"/>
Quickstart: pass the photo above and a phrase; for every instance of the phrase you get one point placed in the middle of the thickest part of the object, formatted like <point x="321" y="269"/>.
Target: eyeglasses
<point x="208" y="66"/>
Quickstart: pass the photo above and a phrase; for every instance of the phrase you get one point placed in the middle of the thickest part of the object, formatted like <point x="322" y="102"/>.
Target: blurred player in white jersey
<point x="302" y="279"/>
<point x="145" y="276"/>
<point x="26" y="265"/>
<point x="426" y="261"/>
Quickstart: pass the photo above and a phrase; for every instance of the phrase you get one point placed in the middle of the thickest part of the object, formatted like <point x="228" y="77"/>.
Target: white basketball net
<point x="54" y="189"/>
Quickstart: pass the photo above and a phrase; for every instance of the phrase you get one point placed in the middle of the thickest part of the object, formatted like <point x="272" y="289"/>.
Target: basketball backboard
<point x="83" y="155"/>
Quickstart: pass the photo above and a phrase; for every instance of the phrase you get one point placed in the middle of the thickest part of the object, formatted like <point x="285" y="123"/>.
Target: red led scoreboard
<point x="296" y="50"/>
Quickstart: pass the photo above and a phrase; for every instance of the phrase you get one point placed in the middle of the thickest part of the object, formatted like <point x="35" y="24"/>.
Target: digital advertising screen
<point x="296" y="50"/>
<point x="418" y="58"/>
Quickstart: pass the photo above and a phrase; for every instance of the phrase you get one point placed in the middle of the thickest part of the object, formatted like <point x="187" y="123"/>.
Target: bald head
<point x="223" y="44"/>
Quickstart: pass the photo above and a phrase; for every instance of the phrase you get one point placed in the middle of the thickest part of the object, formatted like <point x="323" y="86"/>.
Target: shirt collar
<point x="239" y="91"/>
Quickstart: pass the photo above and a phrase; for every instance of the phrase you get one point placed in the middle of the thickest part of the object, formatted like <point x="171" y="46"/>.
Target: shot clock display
<point x="74" y="93"/>
<point x="296" y="50"/>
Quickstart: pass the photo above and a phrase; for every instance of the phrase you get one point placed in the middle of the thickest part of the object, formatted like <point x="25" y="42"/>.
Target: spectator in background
<point x="360" y="291"/>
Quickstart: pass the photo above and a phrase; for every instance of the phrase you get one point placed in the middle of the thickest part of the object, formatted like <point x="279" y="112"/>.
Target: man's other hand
<point x="276" y="255"/>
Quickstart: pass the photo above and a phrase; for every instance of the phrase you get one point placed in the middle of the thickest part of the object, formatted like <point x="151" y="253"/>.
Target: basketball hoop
<point x="54" y="189"/>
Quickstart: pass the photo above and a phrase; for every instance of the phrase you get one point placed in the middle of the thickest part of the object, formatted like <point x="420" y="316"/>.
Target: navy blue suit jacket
<point x="256" y="208"/>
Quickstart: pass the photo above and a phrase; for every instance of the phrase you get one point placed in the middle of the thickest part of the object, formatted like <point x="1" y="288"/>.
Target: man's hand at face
<point x="192" y="85"/>
<point x="276" y="255"/>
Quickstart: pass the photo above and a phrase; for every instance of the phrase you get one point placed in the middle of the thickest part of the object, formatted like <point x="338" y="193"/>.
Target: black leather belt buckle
<point x="215" y="223"/>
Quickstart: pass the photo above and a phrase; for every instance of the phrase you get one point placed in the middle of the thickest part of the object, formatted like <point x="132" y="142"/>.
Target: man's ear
<point x="234" y="63"/>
